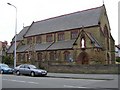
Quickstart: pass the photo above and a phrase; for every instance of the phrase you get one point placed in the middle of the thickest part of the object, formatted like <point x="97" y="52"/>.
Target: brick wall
<point x="98" y="69"/>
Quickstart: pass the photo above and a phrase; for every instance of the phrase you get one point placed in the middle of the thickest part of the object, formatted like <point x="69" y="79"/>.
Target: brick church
<point x="82" y="37"/>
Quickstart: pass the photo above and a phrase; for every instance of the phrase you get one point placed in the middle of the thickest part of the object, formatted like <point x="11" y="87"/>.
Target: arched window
<point x="23" y="57"/>
<point x="49" y="38"/>
<point x="74" y="34"/>
<point x="106" y="31"/>
<point x="52" y="56"/>
<point x="106" y="35"/>
<point x="19" y="57"/>
<point x="61" y="36"/>
<point x="39" y="56"/>
<point x="82" y="41"/>
<point x="68" y="56"/>
<point x="38" y="39"/>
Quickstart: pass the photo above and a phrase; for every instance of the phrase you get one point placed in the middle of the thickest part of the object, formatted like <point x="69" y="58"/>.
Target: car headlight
<point x="39" y="71"/>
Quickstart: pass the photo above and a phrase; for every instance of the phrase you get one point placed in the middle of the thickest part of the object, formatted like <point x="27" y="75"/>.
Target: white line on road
<point x="69" y="86"/>
<point x="19" y="81"/>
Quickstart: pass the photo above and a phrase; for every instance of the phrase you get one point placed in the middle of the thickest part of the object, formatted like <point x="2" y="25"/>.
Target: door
<point x="83" y="58"/>
<point x="21" y="69"/>
<point x="27" y="69"/>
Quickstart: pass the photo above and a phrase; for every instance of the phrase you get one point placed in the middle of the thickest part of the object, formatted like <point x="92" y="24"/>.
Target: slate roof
<point x="42" y="47"/>
<point x="19" y="38"/>
<point x="84" y="18"/>
<point x="11" y="48"/>
<point x="21" y="34"/>
<point x="23" y="48"/>
<point x="62" y="45"/>
<point x="36" y="47"/>
<point x="94" y="40"/>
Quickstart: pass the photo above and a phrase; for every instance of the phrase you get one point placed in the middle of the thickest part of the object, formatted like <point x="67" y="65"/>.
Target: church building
<point x="82" y="37"/>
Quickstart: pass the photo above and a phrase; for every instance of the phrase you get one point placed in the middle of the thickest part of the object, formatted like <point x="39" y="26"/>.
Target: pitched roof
<point x="19" y="38"/>
<point x="21" y="34"/>
<point x="62" y="45"/>
<point x="94" y="40"/>
<point x="84" y="18"/>
<point x="23" y="48"/>
<point x="36" y="47"/>
<point x="11" y="48"/>
<point x="41" y="47"/>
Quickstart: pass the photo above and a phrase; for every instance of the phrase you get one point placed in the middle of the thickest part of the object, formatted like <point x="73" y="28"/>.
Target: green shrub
<point x="7" y="60"/>
<point x="118" y="59"/>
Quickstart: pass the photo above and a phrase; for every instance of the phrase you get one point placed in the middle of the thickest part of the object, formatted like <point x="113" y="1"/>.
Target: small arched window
<point x="68" y="56"/>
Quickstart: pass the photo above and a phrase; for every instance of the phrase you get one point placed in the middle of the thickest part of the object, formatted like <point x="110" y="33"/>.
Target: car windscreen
<point x="5" y="66"/>
<point x="32" y="66"/>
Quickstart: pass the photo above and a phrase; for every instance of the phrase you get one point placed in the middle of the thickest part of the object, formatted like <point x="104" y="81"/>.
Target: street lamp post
<point x="15" y="34"/>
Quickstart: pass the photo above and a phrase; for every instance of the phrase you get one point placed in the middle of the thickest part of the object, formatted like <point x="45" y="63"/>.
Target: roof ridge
<point x="23" y="29"/>
<point x="68" y="14"/>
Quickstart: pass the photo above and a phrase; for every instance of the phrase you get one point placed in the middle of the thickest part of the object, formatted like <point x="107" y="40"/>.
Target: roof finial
<point x="103" y="1"/>
<point x="82" y="27"/>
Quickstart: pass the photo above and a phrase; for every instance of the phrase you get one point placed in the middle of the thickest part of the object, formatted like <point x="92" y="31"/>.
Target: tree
<point x="118" y="59"/>
<point x="7" y="60"/>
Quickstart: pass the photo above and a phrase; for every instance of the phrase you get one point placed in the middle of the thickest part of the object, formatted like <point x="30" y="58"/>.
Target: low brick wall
<point x="93" y="69"/>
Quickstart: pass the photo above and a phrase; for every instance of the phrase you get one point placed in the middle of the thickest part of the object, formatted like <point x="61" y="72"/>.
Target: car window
<point x="32" y="66"/>
<point x="26" y="66"/>
<point x="22" y="66"/>
<point x="4" y="65"/>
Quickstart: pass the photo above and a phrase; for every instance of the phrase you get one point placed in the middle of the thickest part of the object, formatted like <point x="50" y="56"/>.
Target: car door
<point x="27" y="69"/>
<point x="21" y="69"/>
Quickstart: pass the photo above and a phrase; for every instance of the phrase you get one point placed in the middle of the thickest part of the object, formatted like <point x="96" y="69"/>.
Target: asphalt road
<point x="13" y="81"/>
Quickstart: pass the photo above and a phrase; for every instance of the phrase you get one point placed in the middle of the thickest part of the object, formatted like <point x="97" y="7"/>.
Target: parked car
<point x="28" y="69"/>
<point x="5" y="69"/>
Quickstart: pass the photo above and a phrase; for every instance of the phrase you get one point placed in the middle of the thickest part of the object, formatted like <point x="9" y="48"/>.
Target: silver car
<point x="28" y="69"/>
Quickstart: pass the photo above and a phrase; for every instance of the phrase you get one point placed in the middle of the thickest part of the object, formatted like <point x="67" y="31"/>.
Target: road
<point x="13" y="81"/>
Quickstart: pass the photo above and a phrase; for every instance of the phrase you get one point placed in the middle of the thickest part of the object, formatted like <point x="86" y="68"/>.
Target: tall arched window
<point x="106" y="35"/>
<point x="19" y="57"/>
<point x="82" y="41"/>
<point x="106" y="31"/>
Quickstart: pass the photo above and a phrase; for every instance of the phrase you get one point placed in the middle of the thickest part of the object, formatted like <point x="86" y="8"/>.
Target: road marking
<point x="33" y="82"/>
<point x="17" y="81"/>
<point x="20" y="81"/>
<point x="69" y="86"/>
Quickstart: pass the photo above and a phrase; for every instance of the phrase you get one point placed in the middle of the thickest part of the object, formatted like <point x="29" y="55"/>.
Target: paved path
<point x="87" y="76"/>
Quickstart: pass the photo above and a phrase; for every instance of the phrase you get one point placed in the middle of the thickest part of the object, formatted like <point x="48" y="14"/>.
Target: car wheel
<point x="1" y="71"/>
<point x="18" y="72"/>
<point x="32" y="74"/>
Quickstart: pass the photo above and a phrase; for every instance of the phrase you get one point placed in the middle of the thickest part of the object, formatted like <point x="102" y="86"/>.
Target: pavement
<point x="84" y="76"/>
<point x="110" y="80"/>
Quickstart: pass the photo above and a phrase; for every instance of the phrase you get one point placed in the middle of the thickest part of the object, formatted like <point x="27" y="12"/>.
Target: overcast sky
<point x="36" y="10"/>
